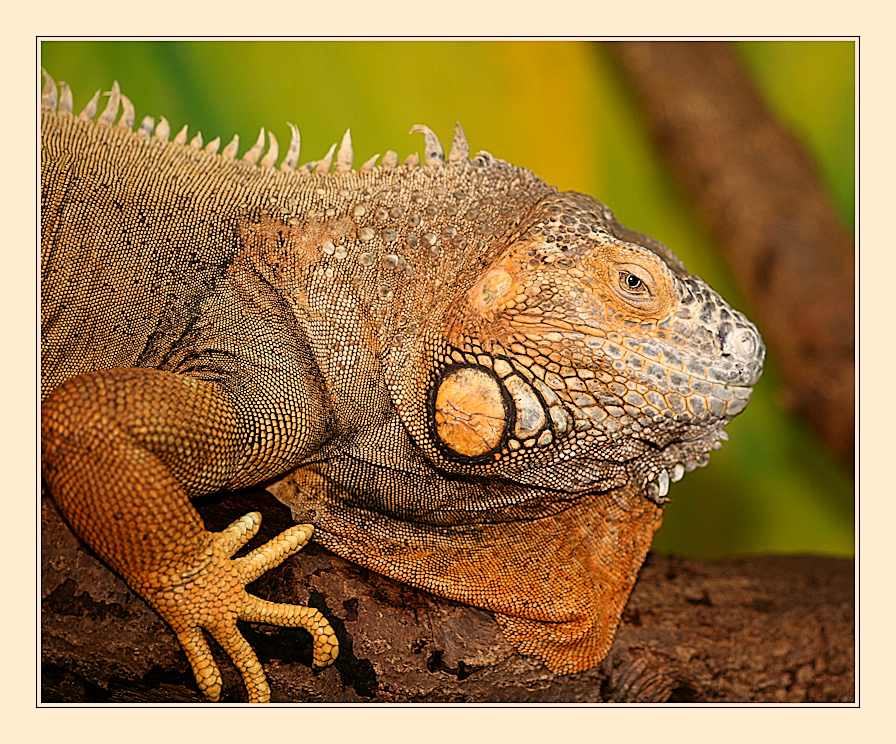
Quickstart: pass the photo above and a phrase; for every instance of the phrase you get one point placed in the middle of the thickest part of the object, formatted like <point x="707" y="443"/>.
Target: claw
<point x="210" y="596"/>
<point x="326" y="647"/>
<point x="268" y="556"/>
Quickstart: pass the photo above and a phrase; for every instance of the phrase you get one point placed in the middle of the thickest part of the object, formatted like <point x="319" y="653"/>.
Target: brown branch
<point x="765" y="629"/>
<point x="763" y="198"/>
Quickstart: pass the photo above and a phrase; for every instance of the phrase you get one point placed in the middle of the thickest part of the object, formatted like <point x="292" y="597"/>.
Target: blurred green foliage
<point x="561" y="109"/>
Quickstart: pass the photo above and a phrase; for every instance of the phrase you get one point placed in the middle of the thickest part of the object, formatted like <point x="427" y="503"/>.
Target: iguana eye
<point x="635" y="285"/>
<point x="632" y="283"/>
<point x="635" y="282"/>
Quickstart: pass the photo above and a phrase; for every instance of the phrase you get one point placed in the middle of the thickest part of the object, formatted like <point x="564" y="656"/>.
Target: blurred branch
<point x="764" y="200"/>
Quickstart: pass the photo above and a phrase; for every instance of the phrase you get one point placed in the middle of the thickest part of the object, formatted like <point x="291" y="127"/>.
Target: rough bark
<point x="769" y="629"/>
<point x="763" y="198"/>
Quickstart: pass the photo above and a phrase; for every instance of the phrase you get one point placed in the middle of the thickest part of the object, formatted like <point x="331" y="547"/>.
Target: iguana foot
<point x="211" y="597"/>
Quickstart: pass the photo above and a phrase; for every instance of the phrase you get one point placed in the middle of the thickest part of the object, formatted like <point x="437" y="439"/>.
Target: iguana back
<point x="465" y="379"/>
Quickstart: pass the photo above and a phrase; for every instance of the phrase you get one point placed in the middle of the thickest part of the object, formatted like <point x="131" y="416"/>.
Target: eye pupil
<point x="632" y="282"/>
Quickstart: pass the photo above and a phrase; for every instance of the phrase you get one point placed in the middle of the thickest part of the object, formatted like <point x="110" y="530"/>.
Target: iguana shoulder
<point x="462" y="378"/>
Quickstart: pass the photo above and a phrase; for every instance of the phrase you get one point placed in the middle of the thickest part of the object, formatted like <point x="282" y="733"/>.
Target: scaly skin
<point x="464" y="379"/>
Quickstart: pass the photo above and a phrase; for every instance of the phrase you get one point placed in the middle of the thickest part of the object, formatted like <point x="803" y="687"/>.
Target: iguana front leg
<point x="123" y="452"/>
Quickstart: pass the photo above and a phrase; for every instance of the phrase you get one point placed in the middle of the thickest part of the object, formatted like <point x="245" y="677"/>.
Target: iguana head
<point x="587" y="358"/>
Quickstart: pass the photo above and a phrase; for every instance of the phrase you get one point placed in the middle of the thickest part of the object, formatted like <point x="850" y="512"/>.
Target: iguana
<point x="463" y="378"/>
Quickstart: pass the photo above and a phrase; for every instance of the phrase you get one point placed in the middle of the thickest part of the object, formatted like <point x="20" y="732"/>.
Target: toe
<point x="273" y="553"/>
<point x="245" y="660"/>
<point x="205" y="670"/>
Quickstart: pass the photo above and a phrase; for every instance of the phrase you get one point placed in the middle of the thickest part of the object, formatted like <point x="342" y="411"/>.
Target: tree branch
<point x="770" y="629"/>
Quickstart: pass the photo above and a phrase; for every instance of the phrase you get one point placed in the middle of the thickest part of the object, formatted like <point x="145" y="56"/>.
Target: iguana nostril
<point x="745" y="343"/>
<point x="738" y="342"/>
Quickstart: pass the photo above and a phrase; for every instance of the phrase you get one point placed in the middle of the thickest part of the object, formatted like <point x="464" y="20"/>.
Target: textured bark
<point x="766" y="203"/>
<point x="769" y="629"/>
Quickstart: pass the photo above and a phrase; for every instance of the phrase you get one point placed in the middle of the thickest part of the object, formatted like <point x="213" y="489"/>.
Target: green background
<point x="561" y="109"/>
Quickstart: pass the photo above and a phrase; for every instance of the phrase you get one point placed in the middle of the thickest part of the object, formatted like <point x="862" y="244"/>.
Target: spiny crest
<point x="58" y="99"/>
